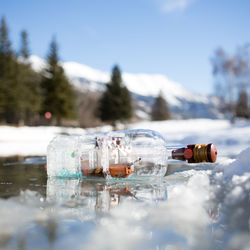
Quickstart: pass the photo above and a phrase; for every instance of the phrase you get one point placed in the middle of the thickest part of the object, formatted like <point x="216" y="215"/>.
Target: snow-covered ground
<point x="229" y="139"/>
<point x="202" y="207"/>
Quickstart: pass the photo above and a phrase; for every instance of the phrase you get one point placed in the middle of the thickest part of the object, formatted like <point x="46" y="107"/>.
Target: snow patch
<point x="239" y="167"/>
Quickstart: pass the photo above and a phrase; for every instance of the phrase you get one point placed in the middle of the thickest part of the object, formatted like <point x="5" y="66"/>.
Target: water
<point x="15" y="177"/>
<point x="38" y="211"/>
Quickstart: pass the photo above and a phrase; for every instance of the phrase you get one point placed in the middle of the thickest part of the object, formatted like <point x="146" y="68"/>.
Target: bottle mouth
<point x="205" y="153"/>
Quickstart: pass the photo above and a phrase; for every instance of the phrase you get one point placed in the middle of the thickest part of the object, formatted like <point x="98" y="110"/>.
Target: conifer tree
<point x="5" y="44"/>
<point x="242" y="109"/>
<point x="29" y="82"/>
<point x="2" y="66"/>
<point x="160" y="109"/>
<point x="8" y="84"/>
<point x="58" y="94"/>
<point x="24" y="49"/>
<point x="115" y="104"/>
<point x="30" y="97"/>
<point x="5" y="51"/>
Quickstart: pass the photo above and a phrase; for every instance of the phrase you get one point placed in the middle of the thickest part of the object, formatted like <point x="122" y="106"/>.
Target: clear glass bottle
<point x="119" y="154"/>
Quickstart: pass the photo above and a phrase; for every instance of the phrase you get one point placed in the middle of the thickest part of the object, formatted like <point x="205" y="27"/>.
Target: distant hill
<point x="143" y="87"/>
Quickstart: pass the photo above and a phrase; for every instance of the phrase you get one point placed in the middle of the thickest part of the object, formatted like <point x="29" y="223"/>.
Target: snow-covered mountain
<point x="143" y="87"/>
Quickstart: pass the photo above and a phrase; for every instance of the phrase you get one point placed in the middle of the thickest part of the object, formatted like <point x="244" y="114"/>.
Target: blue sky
<point x="176" y="38"/>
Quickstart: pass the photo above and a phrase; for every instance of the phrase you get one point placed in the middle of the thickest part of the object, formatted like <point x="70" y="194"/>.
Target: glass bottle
<point x="119" y="154"/>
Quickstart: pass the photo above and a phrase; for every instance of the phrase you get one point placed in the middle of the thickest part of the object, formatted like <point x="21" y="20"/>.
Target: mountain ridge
<point x="183" y="103"/>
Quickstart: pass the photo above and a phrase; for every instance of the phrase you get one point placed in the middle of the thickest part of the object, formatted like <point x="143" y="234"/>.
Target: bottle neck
<point x="193" y="153"/>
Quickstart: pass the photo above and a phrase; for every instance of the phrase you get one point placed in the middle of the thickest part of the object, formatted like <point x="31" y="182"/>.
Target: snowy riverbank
<point x="229" y="139"/>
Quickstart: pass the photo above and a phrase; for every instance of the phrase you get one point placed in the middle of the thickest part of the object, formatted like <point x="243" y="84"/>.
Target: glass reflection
<point x="95" y="196"/>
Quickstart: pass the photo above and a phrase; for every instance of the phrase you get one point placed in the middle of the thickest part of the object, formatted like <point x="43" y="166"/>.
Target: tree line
<point x="26" y="96"/>
<point x="47" y="97"/>
<point x="232" y="81"/>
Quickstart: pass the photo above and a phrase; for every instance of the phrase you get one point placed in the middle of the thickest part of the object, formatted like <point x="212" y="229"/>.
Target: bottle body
<point x="118" y="154"/>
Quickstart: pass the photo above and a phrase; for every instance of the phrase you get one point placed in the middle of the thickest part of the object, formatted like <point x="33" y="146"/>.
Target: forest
<point x="33" y="98"/>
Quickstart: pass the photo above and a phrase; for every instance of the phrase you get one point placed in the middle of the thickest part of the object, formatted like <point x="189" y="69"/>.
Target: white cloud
<point x="174" y="5"/>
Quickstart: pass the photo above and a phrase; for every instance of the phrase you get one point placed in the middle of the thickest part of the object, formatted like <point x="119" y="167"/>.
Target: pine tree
<point x="30" y="97"/>
<point x="4" y="51"/>
<point x="24" y="50"/>
<point x="9" y="90"/>
<point x="115" y="104"/>
<point x="58" y="93"/>
<point x="29" y="81"/>
<point x="5" y="44"/>
<point x="242" y="109"/>
<point x="160" y="109"/>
